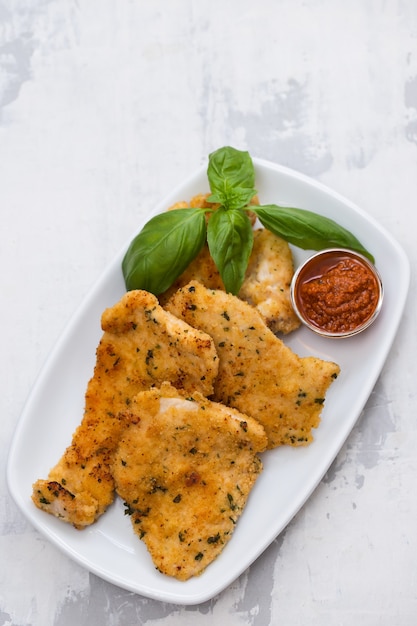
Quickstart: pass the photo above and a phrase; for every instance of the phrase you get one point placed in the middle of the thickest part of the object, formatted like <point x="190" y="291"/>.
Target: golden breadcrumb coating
<point x="142" y="346"/>
<point x="184" y="470"/>
<point x="258" y="373"/>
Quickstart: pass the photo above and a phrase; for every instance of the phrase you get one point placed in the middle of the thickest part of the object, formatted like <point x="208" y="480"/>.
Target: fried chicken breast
<point x="184" y="469"/>
<point x="258" y="373"/>
<point x="142" y="346"/>
<point x="267" y="280"/>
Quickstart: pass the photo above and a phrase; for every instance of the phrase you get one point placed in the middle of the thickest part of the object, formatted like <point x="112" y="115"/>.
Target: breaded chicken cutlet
<point x="184" y="468"/>
<point x="258" y="374"/>
<point x="268" y="280"/>
<point x="142" y="346"/>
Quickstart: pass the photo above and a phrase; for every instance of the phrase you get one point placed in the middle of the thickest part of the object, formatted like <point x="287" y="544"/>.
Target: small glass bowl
<point x="315" y="271"/>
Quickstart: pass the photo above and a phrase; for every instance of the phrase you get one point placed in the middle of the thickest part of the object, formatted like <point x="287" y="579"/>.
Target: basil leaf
<point x="306" y="229"/>
<point x="163" y="249"/>
<point x="231" y="177"/>
<point x="230" y="241"/>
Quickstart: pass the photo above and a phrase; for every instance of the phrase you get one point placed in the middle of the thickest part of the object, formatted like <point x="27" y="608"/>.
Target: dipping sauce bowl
<point x="337" y="293"/>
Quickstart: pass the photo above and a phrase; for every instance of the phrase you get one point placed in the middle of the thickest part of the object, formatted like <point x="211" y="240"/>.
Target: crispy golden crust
<point x="266" y="285"/>
<point x="141" y="347"/>
<point x="258" y="373"/>
<point x="184" y="472"/>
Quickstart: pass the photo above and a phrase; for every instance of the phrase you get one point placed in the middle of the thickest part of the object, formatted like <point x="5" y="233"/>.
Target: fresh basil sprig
<point x="230" y="240"/>
<point x="307" y="230"/>
<point x="168" y="243"/>
<point x="163" y="249"/>
<point x="231" y="177"/>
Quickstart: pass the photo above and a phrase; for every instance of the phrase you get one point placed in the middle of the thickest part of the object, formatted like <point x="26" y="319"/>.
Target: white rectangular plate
<point x="55" y="407"/>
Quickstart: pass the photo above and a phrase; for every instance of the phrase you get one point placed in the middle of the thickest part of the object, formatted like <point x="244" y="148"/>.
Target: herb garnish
<point x="168" y="243"/>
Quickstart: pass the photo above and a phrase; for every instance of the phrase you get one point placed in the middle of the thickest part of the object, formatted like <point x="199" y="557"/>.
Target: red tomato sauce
<point x="341" y="296"/>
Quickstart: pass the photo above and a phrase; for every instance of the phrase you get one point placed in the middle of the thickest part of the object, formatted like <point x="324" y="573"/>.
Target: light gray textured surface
<point x="104" y="107"/>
